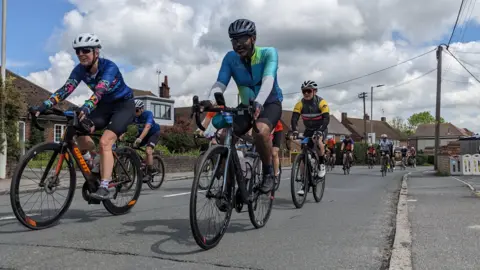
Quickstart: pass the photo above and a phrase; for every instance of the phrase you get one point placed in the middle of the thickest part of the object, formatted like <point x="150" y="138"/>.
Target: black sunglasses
<point x="240" y="40"/>
<point x="307" y="91"/>
<point x="83" y="50"/>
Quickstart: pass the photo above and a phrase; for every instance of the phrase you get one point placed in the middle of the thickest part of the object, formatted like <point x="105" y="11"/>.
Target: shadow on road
<point x="178" y="231"/>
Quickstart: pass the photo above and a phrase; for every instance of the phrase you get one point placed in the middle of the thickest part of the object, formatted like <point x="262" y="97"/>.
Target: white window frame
<point x="63" y="127"/>
<point x="22" y="143"/>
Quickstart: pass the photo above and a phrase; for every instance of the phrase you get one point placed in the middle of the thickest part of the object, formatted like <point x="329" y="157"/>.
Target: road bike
<point x="385" y="163"/>
<point x="370" y="161"/>
<point x="309" y="176"/>
<point x="224" y="196"/>
<point x="69" y="155"/>
<point x="207" y="169"/>
<point x="348" y="165"/>
<point x="158" y="164"/>
<point x="330" y="161"/>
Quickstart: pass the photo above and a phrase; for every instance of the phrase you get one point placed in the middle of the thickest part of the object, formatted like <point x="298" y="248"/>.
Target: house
<point x="35" y="95"/>
<point x="161" y="106"/>
<point x="424" y="136"/>
<point x="356" y="127"/>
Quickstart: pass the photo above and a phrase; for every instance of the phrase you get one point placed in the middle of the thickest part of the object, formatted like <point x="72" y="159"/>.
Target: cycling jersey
<point x="210" y="115"/>
<point x="348" y="143"/>
<point x="278" y="127"/>
<point x="385" y="145"/>
<point x="107" y="85"/>
<point x="331" y="143"/>
<point x="257" y="79"/>
<point x="146" y="118"/>
<point x="371" y="150"/>
<point x="315" y="114"/>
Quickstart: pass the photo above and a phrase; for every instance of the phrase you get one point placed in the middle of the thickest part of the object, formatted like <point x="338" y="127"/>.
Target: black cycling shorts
<point x="151" y="140"/>
<point x="271" y="114"/>
<point x="277" y="139"/>
<point x="116" y="116"/>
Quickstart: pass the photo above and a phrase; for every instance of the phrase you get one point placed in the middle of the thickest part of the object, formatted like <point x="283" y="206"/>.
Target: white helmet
<point x="384" y="136"/>
<point x="309" y="84"/>
<point x="138" y="103"/>
<point x="86" y="40"/>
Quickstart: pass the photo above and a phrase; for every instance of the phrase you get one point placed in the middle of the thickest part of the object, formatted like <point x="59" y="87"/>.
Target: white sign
<point x="371" y="137"/>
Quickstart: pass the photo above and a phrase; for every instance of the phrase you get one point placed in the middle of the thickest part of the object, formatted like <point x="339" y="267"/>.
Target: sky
<point x="328" y="41"/>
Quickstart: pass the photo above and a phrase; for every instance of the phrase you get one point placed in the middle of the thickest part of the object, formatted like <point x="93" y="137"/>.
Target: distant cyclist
<point x="404" y="151"/>
<point x="386" y="146"/>
<point x="331" y="148"/>
<point x="371" y="152"/>
<point x="111" y="106"/>
<point x="276" y="142"/>
<point x="347" y="148"/>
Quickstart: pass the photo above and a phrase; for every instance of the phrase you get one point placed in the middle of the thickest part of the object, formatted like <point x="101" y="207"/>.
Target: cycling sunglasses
<point x="307" y="91"/>
<point x="240" y="40"/>
<point x="83" y="50"/>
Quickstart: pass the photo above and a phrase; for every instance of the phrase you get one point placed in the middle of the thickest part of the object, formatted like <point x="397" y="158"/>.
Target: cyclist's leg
<point x="266" y="121"/>
<point x="344" y="159"/>
<point x="277" y="139"/>
<point x="123" y="113"/>
<point x="99" y="117"/>
<point x="320" y="149"/>
<point x="150" y="141"/>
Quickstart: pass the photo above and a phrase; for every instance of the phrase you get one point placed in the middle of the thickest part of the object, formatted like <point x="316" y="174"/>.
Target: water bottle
<point x="96" y="164"/>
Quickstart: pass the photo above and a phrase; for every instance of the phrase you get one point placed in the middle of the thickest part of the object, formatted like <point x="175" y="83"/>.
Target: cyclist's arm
<point x="65" y="91"/>
<point x="353" y="144"/>
<point x="102" y="87"/>
<point x="297" y="110"/>
<point x="325" y="110"/>
<point x="269" y="75"/>
<point x="224" y="76"/>
<point x="343" y="146"/>
<point x="148" y="125"/>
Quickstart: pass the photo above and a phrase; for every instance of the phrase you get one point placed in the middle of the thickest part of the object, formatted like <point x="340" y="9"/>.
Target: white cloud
<point x="327" y="41"/>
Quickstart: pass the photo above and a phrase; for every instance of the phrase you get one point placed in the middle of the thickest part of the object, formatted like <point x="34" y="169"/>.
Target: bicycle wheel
<point x="214" y="195"/>
<point x="260" y="200"/>
<point x="50" y="186"/>
<point x="160" y="171"/>
<point x="300" y="159"/>
<point x="117" y="178"/>
<point x="319" y="189"/>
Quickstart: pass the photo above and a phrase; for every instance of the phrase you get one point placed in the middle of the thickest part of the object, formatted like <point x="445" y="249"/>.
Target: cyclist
<point x="404" y="151"/>
<point x="111" y="106"/>
<point x="348" y="145"/>
<point x="210" y="130"/>
<point x="254" y="70"/>
<point x="386" y="146"/>
<point x="276" y="142"/>
<point x="413" y="154"/>
<point x="331" y="148"/>
<point x="371" y="151"/>
<point x="148" y="133"/>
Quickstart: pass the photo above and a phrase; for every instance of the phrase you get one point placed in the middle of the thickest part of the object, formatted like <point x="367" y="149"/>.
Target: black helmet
<point x="242" y="27"/>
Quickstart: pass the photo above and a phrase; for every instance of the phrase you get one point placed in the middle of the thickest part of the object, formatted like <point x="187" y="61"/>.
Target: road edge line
<point x="401" y="258"/>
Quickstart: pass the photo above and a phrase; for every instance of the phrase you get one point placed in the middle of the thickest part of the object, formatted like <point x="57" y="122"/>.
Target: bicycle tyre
<point x="201" y="241"/>
<point x="300" y="158"/>
<point x="14" y="185"/>
<point x="253" y="189"/>
<point x="318" y="198"/>
<point x="130" y="154"/>
<point x="162" y="167"/>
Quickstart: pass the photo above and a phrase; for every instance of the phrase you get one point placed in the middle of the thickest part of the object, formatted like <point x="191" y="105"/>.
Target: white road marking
<point x="411" y="200"/>
<point x="7" y="217"/>
<point x="476" y="227"/>
<point x="467" y="184"/>
<point x="176" y="194"/>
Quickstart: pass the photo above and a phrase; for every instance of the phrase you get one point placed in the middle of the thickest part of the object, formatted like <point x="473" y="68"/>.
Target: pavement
<point x="351" y="228"/>
<point x="444" y="224"/>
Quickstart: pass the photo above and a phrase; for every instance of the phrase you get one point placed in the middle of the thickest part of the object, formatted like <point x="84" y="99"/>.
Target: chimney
<point x="366" y="117"/>
<point x="384" y="119"/>
<point x="344" y="117"/>
<point x="164" y="89"/>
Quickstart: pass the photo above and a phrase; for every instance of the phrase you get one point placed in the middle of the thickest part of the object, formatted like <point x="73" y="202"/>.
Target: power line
<point x="455" y="25"/>
<point x="369" y="74"/>
<point x="414" y="79"/>
<point x="461" y="64"/>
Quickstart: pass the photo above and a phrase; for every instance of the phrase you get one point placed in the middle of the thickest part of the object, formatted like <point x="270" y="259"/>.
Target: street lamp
<point x="371" y="106"/>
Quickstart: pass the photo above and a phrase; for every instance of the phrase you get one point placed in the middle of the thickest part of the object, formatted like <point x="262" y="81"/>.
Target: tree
<point x="14" y="107"/>
<point x="422" y="118"/>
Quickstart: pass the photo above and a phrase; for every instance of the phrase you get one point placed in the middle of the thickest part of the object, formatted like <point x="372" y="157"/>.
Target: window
<point x="21" y="136"/>
<point x="342" y="137"/>
<point x="162" y="111"/>
<point x="58" y="131"/>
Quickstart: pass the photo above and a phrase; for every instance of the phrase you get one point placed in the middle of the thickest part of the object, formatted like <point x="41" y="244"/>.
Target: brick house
<point x="424" y="136"/>
<point x="356" y="127"/>
<point x="35" y="95"/>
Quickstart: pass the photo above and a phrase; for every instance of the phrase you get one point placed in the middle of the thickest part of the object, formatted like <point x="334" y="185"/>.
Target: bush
<point x="422" y="159"/>
<point x="178" y="142"/>
<point x="36" y="136"/>
<point x="14" y="107"/>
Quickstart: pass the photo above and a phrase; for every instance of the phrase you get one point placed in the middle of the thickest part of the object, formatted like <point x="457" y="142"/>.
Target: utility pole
<point x="363" y="95"/>
<point x="371" y="107"/>
<point x="437" y="108"/>
<point x="159" y="84"/>
<point x="3" y="155"/>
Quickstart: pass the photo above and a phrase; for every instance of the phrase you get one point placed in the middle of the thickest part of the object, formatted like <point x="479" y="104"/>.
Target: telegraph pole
<point x="437" y="108"/>
<point x="3" y="156"/>
<point x="363" y="95"/>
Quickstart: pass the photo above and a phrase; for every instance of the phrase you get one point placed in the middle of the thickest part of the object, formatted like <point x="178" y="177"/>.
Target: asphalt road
<point x="350" y="229"/>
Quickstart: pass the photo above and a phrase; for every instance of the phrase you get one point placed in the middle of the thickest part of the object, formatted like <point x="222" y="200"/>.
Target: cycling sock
<point x="267" y="169"/>
<point x="104" y="183"/>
